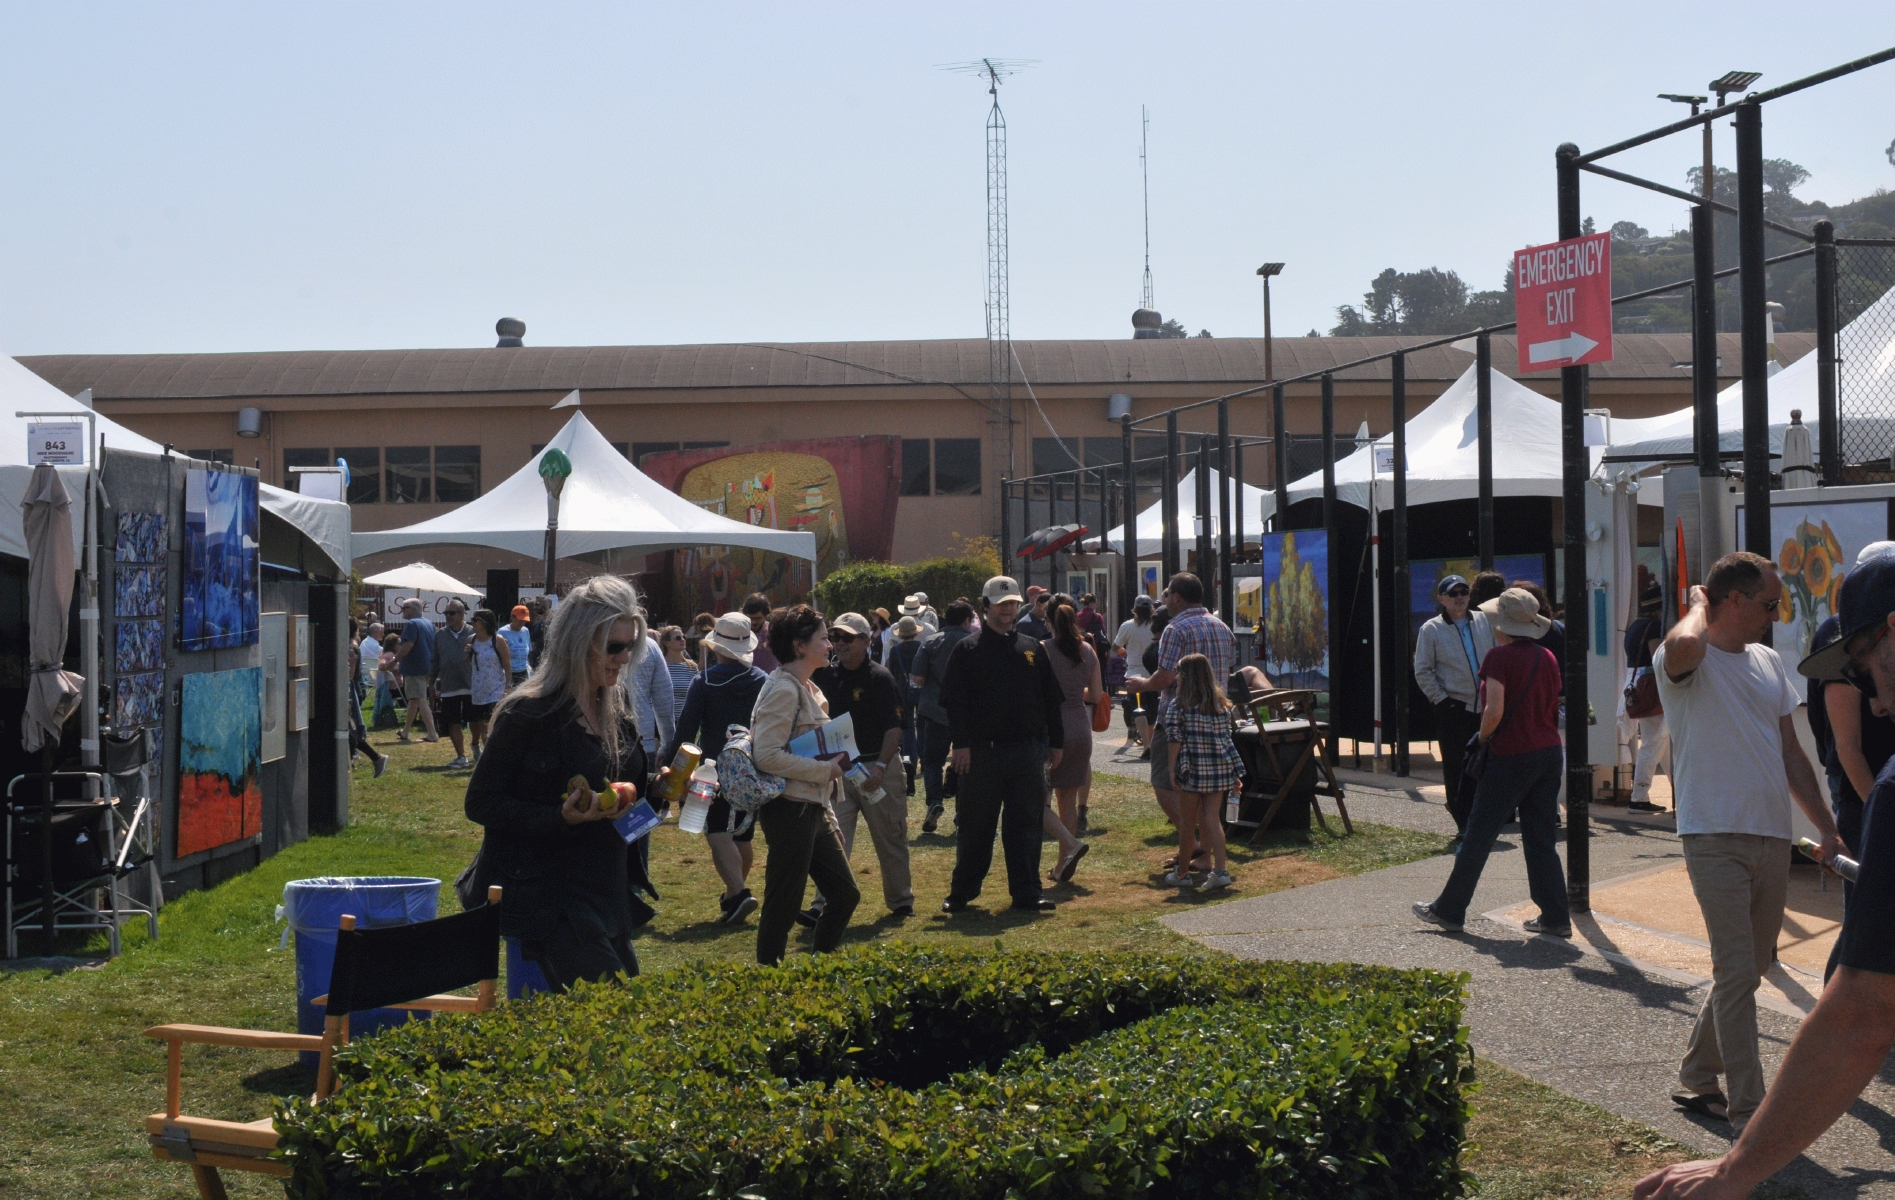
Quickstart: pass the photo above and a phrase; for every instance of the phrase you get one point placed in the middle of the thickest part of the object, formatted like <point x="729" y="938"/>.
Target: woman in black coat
<point x="550" y="841"/>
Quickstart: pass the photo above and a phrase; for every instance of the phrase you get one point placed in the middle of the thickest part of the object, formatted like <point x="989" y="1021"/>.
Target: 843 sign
<point x="61" y="443"/>
<point x="1563" y="301"/>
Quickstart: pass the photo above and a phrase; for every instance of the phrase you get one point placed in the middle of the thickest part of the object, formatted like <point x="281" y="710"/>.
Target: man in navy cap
<point x="1846" y="1038"/>
<point x="1448" y="653"/>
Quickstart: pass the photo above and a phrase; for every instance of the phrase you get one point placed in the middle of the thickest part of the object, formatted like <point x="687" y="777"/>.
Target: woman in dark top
<point x="550" y="841"/>
<point x="1520" y="727"/>
<point x="719" y="698"/>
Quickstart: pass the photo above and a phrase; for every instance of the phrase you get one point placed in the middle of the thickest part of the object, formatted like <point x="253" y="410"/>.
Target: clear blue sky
<point x="198" y="177"/>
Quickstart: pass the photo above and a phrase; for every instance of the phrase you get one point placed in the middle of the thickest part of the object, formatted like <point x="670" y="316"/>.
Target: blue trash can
<point x="315" y="907"/>
<point x="523" y="978"/>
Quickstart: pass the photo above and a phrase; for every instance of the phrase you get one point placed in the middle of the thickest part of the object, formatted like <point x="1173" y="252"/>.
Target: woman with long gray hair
<point x="564" y="758"/>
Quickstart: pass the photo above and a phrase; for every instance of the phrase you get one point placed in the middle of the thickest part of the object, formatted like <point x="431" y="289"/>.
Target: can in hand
<point x="672" y="789"/>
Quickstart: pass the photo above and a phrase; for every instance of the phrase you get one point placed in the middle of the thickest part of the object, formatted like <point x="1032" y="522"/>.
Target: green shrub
<point x="862" y="587"/>
<point x="945" y="578"/>
<point x="901" y="1071"/>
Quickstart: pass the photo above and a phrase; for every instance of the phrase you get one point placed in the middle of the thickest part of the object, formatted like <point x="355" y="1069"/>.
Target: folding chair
<point x="397" y="966"/>
<point x="96" y="846"/>
<point x="1286" y="717"/>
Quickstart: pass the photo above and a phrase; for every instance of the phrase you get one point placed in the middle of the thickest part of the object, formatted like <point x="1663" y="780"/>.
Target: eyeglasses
<point x="614" y="649"/>
<point x="1458" y="593"/>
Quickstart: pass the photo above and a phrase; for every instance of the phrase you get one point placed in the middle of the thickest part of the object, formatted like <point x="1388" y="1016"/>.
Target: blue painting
<point x="218" y="594"/>
<point x="140" y="647"/>
<point x="220" y="750"/>
<point x="1296" y="608"/>
<point x="138" y="591"/>
<point x="138" y="700"/>
<point x="141" y="537"/>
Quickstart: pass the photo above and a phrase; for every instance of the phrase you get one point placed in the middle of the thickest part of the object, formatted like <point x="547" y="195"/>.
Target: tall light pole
<point x="1266" y="271"/>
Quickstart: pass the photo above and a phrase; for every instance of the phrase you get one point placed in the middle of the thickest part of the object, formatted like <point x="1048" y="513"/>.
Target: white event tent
<point x="325" y="523"/>
<point x="607" y="504"/>
<point x="1258" y="506"/>
<point x="1444" y="450"/>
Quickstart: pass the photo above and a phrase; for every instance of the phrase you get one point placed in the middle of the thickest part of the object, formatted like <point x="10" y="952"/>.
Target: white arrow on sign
<point x="1573" y="345"/>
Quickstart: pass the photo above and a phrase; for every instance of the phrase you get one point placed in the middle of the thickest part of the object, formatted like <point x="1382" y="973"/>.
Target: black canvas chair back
<point x="396" y="964"/>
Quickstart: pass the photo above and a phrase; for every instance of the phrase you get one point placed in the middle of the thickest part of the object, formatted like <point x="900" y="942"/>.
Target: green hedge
<point x="899" y="1071"/>
<point x="865" y="586"/>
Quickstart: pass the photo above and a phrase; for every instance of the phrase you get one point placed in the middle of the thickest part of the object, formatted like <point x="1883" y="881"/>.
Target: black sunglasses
<point x="1457" y="593"/>
<point x="616" y="648"/>
<point x="838" y="636"/>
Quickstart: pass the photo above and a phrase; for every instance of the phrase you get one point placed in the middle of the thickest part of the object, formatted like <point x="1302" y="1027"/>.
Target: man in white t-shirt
<point x="1735" y="764"/>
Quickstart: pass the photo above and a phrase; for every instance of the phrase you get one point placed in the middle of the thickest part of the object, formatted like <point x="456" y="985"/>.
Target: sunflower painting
<point x="1815" y="547"/>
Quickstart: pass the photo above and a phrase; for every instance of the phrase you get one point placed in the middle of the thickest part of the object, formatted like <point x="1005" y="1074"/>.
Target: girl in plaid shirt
<point x="1206" y="766"/>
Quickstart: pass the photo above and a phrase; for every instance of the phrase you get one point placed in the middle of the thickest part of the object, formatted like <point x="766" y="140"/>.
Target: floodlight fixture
<point x="1733" y="81"/>
<point x="1269" y="269"/>
<point x="1694" y="101"/>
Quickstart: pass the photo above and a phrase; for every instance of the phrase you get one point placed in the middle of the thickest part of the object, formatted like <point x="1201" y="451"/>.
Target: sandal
<point x="1701" y="1105"/>
<point x="1066" y="868"/>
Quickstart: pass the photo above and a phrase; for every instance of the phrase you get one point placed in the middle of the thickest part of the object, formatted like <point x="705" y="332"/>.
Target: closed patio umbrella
<point x="52" y="694"/>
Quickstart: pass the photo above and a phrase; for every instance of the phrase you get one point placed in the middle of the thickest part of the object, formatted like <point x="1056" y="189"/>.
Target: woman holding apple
<point x="561" y="752"/>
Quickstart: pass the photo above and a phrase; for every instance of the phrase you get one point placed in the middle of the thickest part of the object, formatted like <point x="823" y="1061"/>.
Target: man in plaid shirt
<point x="1192" y="630"/>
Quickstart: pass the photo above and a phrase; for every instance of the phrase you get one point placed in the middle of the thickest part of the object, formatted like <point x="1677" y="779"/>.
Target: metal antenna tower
<point x="999" y="322"/>
<point x="1144" y="137"/>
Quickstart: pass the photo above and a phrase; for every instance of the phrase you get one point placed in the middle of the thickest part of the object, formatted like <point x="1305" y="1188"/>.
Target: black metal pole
<point x="49" y="927"/>
<point x="1226" y="586"/>
<point x="1280" y="451"/>
<point x="1168" y="503"/>
<point x="1336" y="624"/>
<point x="1237" y="519"/>
<point x="1201" y="501"/>
<point x="1006" y="526"/>
<point x="1398" y="553"/>
<point x="1753" y="292"/>
<point x="1704" y="340"/>
<point x="1829" y="430"/>
<point x="1572" y="393"/>
<point x="1484" y="423"/>
<point x="1128" y="543"/>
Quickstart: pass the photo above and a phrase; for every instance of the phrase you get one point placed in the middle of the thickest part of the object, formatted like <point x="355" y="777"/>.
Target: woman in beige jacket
<point x="798" y="829"/>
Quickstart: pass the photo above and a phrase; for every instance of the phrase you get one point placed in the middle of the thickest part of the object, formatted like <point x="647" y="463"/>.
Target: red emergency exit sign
<point x="1562" y="296"/>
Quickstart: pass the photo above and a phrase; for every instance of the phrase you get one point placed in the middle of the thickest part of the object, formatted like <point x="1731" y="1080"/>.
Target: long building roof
<point x="963" y="362"/>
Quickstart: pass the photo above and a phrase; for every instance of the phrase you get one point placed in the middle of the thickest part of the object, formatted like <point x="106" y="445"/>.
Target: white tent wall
<point x="1258" y="506"/>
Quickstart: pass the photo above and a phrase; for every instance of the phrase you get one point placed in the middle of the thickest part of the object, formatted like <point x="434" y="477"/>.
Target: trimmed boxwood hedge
<point x="900" y="1071"/>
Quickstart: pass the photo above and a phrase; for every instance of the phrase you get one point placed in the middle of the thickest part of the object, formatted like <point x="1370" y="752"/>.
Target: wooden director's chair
<point x="397" y="966"/>
<point x="1286" y="717"/>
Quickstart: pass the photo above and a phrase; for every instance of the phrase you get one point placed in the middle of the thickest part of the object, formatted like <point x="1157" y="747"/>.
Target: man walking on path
<point x="1003" y="705"/>
<point x="1735" y="757"/>
<point x="415" y="661"/>
<point x="1191" y="630"/>
<point x="868" y="693"/>
<point x="931" y="720"/>
<point x="454" y="678"/>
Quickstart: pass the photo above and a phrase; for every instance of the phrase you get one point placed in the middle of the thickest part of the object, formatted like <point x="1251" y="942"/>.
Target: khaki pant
<point x="887" y="818"/>
<point x="1740" y="880"/>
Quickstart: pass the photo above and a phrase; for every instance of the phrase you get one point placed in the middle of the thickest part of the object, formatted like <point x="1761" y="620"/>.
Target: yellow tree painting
<point x="1296" y="609"/>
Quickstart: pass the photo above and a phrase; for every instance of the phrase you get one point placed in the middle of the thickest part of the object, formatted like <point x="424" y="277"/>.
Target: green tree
<point x="1428" y="301"/>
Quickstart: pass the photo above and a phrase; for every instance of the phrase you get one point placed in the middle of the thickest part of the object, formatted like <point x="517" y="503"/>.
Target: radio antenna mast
<point x="1144" y="137"/>
<point x="999" y="323"/>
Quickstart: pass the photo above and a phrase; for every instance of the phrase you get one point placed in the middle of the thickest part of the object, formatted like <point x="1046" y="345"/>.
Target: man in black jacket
<point x="1003" y="705"/>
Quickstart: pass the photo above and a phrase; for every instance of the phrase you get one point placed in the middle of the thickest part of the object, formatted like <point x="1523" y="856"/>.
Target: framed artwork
<point x="141" y="537"/>
<point x="299" y="640"/>
<point x="1296" y="608"/>
<point x="220" y="794"/>
<point x="138" y="700"/>
<point x="218" y="593"/>
<point x="299" y="704"/>
<point x="1148" y="581"/>
<point x="1817" y="544"/>
<point x="138" y="591"/>
<point x="139" y="647"/>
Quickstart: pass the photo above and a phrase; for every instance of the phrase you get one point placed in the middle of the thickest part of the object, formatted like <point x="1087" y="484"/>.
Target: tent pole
<point x="1751" y="291"/>
<point x="1576" y="466"/>
<point x="1168" y="510"/>
<point x="1829" y="435"/>
<point x="1375" y="603"/>
<point x="1227" y="587"/>
<point x="1398" y="521"/>
<point x="1280" y="446"/>
<point x="1128" y="540"/>
<point x="1329" y="537"/>
<point x="1201" y="501"/>
<point x="1484" y="408"/>
<point x="1006" y="525"/>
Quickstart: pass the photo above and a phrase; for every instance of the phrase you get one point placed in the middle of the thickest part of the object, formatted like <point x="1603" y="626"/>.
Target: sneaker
<point x="457" y="762"/>
<point x="808" y="917"/>
<point x="1215" y="881"/>
<point x="1173" y="879"/>
<point x="737" y="907"/>
<point x="1537" y="926"/>
<point x="1424" y="911"/>
<point x="1644" y="806"/>
<point x="933" y="820"/>
<point x="381" y="764"/>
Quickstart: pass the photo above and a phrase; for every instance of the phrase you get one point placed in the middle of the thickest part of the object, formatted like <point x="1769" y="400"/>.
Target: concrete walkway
<point x="1579" y="1016"/>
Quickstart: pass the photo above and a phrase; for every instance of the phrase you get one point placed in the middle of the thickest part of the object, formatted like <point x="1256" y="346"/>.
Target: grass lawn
<point x="76" y="1079"/>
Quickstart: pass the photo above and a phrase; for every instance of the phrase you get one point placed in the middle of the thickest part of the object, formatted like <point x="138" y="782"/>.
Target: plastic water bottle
<point x="1233" y="807"/>
<point x="698" y="797"/>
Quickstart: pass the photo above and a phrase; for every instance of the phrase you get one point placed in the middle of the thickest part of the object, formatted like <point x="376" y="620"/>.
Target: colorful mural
<point x="220" y="794"/>
<point x="218" y="594"/>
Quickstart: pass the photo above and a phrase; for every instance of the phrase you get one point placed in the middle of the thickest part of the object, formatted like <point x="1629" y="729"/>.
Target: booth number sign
<point x="62" y="443"/>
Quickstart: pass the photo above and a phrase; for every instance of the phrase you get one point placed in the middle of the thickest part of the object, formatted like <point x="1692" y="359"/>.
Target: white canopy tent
<point x="607" y="505"/>
<point x="324" y="523"/>
<point x="1258" y="507"/>
<point x="1870" y="380"/>
<point x="1444" y="450"/>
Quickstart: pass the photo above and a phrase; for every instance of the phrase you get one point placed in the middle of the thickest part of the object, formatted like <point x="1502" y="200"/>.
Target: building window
<point x="305" y="458"/>
<point x="957" y="466"/>
<point x="365" y="472"/>
<point x="456" y="474"/>
<point x="641" y="449"/>
<point x="410" y="474"/>
<point x="1055" y="454"/>
<point x="624" y="449"/>
<point x="917" y="475"/>
<point x="226" y="457"/>
<point x="703" y="445"/>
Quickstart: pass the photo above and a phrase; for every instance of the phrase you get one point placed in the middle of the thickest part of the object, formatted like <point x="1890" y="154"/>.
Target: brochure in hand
<point x="636" y="821"/>
<point x="833" y="737"/>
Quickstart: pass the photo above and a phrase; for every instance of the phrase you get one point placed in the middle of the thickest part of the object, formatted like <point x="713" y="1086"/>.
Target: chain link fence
<point x="1865" y="352"/>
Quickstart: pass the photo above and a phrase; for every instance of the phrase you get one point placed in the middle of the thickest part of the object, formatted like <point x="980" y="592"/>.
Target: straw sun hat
<point x="1516" y="613"/>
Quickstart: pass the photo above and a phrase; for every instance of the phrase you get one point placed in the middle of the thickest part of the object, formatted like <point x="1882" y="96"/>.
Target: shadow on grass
<point x="290" y="1079"/>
